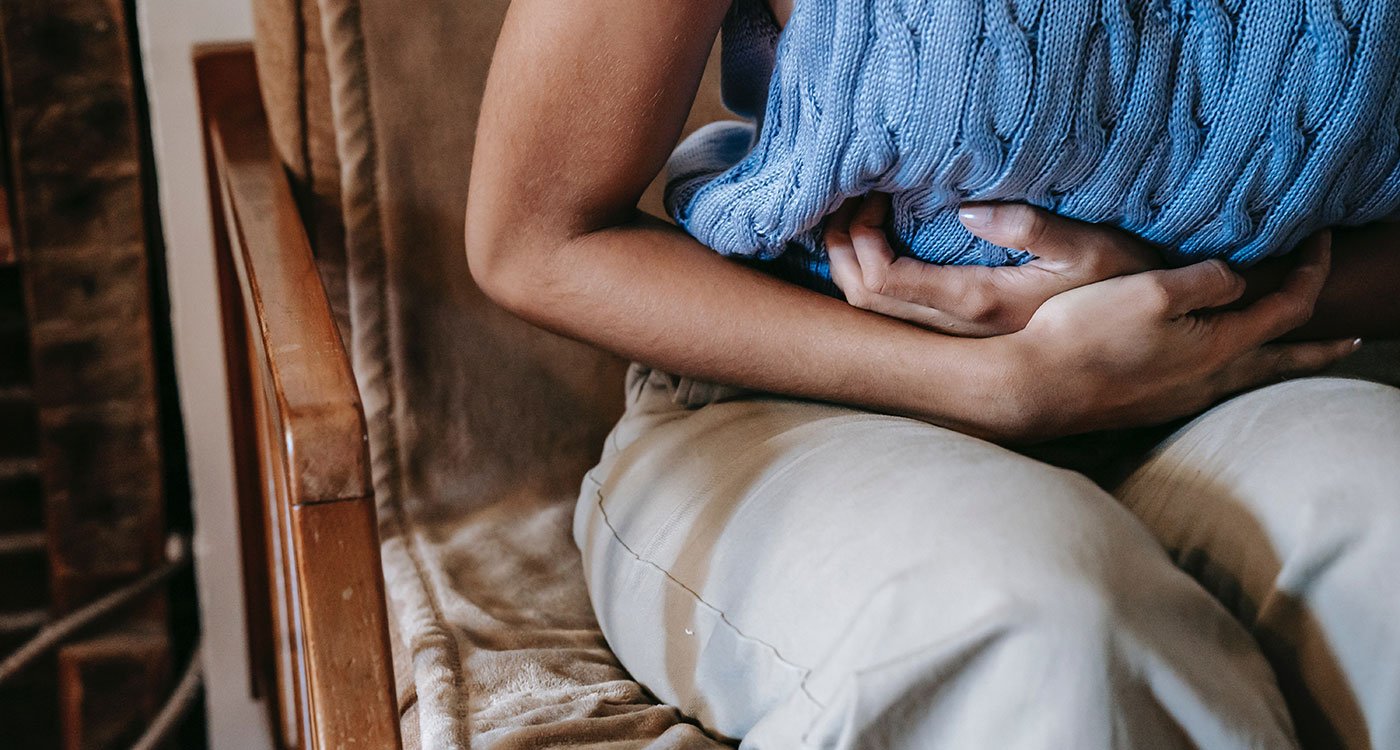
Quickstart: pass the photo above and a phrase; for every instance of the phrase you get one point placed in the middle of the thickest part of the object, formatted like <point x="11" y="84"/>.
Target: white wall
<point x="169" y="29"/>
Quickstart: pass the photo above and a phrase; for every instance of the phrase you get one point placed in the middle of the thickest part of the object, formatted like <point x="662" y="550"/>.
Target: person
<point x="819" y="522"/>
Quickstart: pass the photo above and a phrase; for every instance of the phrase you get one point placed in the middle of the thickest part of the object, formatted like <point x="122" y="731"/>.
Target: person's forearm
<point x="1362" y="295"/>
<point x="649" y="292"/>
<point x="583" y="106"/>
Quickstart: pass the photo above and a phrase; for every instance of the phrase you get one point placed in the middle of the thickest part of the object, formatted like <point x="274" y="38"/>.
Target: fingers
<point x="861" y="258"/>
<point x="963" y="289"/>
<point x="1085" y="252"/>
<point x="864" y="268"/>
<point x="991" y="301"/>
<point x="1291" y="305"/>
<point x="927" y="317"/>
<point x="861" y="226"/>
<point x="1020" y="227"/>
<point x="838" y="225"/>
<point x="845" y="270"/>
<point x="1273" y="363"/>
<point x="1199" y="286"/>
<point x="870" y="241"/>
<point x="864" y="265"/>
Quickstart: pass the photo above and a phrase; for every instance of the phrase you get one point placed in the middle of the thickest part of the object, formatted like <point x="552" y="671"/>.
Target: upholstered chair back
<point x="481" y="426"/>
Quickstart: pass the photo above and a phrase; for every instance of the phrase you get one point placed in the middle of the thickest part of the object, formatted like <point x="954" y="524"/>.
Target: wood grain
<point x="7" y="235"/>
<point x="306" y="505"/>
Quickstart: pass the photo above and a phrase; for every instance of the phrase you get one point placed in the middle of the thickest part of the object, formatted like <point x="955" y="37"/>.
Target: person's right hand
<point x="1153" y="346"/>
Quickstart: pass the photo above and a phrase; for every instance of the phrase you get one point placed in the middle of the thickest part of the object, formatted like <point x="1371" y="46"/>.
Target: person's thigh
<point x="1285" y="503"/>
<point x="796" y="572"/>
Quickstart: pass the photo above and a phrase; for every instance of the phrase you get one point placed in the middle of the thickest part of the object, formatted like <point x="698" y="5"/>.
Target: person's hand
<point x="1154" y="346"/>
<point x="975" y="301"/>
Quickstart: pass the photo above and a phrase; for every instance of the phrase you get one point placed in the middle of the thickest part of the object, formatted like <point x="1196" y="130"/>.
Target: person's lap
<point x="782" y="569"/>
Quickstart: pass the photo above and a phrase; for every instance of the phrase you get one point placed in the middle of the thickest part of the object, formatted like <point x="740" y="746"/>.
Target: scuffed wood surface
<point x="317" y="618"/>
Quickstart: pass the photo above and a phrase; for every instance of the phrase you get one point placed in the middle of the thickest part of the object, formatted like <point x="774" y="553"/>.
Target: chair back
<point x="373" y="107"/>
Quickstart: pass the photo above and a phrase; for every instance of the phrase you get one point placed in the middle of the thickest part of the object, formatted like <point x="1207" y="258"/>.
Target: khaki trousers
<point x="799" y="574"/>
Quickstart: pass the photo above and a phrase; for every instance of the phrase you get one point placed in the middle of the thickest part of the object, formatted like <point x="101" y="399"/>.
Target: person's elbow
<point x="506" y="265"/>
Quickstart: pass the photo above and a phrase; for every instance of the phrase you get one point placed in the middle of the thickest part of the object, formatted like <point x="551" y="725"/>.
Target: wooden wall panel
<point x="81" y="240"/>
<point x="7" y="238"/>
<point x="104" y="684"/>
<point x="28" y="705"/>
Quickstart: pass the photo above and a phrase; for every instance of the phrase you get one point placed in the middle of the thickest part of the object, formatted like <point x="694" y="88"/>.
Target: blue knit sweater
<point x="1211" y="128"/>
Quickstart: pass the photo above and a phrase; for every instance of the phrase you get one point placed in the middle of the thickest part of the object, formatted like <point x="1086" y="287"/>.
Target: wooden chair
<point x="316" y="614"/>
<point x="322" y="527"/>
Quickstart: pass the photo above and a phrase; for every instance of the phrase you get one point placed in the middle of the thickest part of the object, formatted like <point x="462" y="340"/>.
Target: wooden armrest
<point x="315" y="590"/>
<point x="297" y="339"/>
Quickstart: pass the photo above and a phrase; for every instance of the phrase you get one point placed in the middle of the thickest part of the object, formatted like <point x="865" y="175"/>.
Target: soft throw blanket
<point x="1212" y="128"/>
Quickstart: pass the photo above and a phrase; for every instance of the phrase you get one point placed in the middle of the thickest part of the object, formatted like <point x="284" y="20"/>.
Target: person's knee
<point x="1285" y="449"/>
<point x="1073" y="610"/>
<point x="1300" y="418"/>
<point x="1070" y="572"/>
<point x="1272" y="489"/>
<point x="1323" y="441"/>
<point x="1054" y="628"/>
<point x="1048" y="600"/>
<point x="1062" y="586"/>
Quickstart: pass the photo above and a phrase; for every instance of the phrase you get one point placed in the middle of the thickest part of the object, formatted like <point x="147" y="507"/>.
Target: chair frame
<point x="313" y="586"/>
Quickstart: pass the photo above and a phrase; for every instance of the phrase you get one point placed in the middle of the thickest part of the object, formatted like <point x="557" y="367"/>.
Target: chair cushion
<point x="481" y="426"/>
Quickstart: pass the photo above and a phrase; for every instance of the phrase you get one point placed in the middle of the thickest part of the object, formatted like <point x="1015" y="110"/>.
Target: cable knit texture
<point x="1211" y="128"/>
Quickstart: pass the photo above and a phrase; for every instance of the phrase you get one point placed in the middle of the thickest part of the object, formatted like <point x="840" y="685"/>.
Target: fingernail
<point x="1356" y="344"/>
<point x="976" y="215"/>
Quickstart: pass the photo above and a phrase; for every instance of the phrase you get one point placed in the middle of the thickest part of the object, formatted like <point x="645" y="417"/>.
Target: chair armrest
<point x="295" y="335"/>
<point x="315" y="589"/>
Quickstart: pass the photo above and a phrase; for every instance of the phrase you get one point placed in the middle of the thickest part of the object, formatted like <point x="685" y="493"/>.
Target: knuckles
<point x="978" y="305"/>
<point x="1152" y="295"/>
<point x="1231" y="284"/>
<point x="1109" y="255"/>
<point x="1101" y="261"/>
<point x="860" y="297"/>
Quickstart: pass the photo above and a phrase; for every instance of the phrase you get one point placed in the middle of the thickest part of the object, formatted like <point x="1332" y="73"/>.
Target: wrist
<point x="1049" y="400"/>
<point x="1027" y="387"/>
<point x="988" y="389"/>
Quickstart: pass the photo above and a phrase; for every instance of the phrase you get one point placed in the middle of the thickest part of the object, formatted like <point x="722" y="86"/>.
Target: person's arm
<point x="1362" y="295"/>
<point x="585" y="100"/>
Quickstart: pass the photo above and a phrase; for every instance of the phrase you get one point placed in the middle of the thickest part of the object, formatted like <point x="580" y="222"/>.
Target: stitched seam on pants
<point x="802" y="684"/>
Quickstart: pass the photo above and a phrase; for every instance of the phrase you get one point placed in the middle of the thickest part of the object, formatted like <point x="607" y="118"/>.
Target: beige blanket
<point x="480" y="426"/>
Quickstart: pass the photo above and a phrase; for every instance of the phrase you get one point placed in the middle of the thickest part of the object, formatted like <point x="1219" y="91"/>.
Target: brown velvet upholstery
<point x="480" y="426"/>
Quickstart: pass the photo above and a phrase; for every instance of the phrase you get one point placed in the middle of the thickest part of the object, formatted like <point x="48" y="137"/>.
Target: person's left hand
<point x="975" y="301"/>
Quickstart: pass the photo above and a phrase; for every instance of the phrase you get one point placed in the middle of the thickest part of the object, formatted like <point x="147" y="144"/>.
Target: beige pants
<point x="806" y="575"/>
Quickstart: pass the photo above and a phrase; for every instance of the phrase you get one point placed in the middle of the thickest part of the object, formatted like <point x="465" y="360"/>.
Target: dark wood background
<point x="86" y="419"/>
